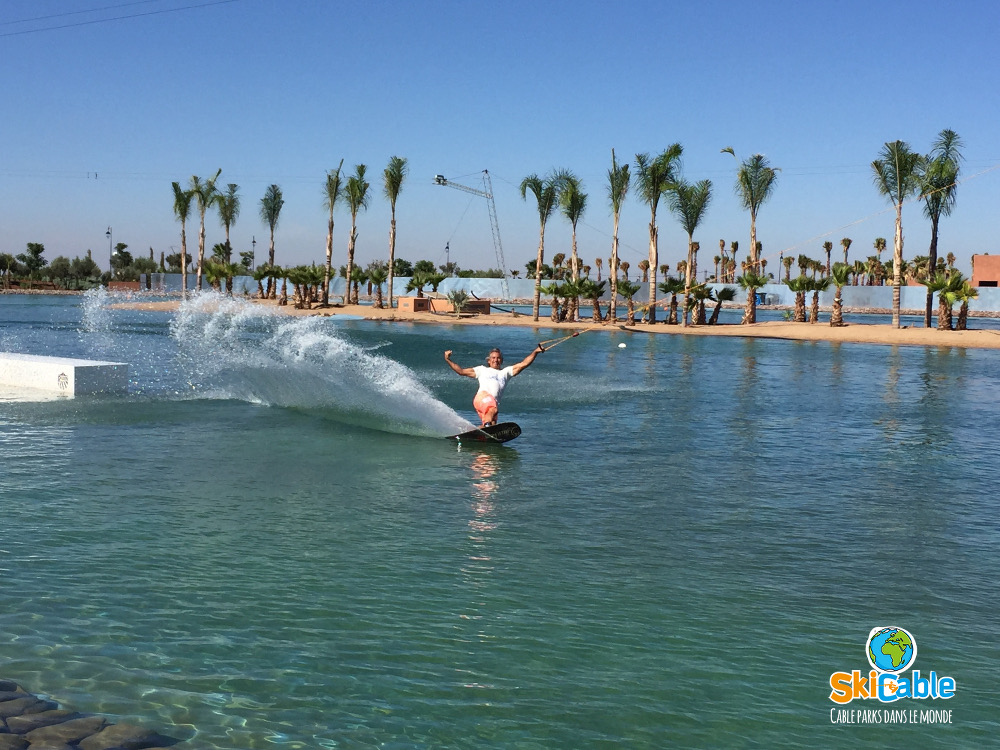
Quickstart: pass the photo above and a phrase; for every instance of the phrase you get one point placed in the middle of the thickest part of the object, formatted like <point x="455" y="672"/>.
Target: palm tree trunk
<point x="630" y="316"/>
<point x="672" y="319"/>
<point x="944" y="323"/>
<point x="539" y="259"/>
<point x="750" y="311"/>
<point x="687" y="280"/>
<point x="613" y="274"/>
<point x="814" y="309"/>
<point x="598" y="318"/>
<point x="837" y="316"/>
<point x="931" y="268"/>
<point x="201" y="249"/>
<point x="392" y="255"/>
<point x="350" y="259"/>
<point x="963" y="316"/>
<point x="715" y="313"/>
<point x="897" y="263"/>
<point x="574" y="302"/>
<point x="272" y="283"/>
<point x="184" y="268"/>
<point x="329" y="260"/>
<point x="653" y="260"/>
<point x="800" y="307"/>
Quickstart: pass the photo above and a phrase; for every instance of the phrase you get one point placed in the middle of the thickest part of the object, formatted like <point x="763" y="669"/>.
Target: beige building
<point x="985" y="270"/>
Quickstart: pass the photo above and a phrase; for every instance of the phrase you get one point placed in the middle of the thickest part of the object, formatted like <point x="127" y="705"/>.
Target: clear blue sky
<point x="281" y="90"/>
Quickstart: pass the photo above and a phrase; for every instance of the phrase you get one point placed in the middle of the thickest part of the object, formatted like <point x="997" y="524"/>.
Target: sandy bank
<point x="863" y="333"/>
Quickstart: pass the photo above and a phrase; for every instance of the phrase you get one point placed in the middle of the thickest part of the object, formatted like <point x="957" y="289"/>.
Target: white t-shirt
<point x="493" y="381"/>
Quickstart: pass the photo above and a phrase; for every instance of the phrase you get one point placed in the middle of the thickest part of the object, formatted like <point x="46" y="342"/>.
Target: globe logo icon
<point x="891" y="649"/>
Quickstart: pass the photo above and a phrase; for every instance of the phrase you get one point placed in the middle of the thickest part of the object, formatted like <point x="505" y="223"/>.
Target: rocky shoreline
<point x="30" y="721"/>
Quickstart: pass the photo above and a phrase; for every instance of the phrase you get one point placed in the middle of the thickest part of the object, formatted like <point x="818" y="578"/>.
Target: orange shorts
<point x="484" y="402"/>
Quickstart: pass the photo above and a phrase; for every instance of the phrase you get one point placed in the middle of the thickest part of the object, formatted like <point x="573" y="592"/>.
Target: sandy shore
<point x="855" y="333"/>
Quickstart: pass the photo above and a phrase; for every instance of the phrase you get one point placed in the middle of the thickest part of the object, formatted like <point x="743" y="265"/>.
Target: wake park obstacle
<point x="61" y="376"/>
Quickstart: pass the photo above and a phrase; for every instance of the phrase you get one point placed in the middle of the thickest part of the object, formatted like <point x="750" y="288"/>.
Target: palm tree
<point x="938" y="189"/>
<point x="599" y="263"/>
<point x="816" y="286"/>
<point x="840" y="275"/>
<point x="751" y="282"/>
<point x="357" y="196"/>
<point x="828" y="248"/>
<point x="938" y="284"/>
<point x="593" y="290"/>
<point x="270" y="210"/>
<point x="699" y="293"/>
<point x="546" y="192"/>
<point x="846" y="244"/>
<point x="965" y="294"/>
<point x="799" y="285"/>
<point x="204" y="194"/>
<point x="726" y="294"/>
<point x="755" y="183"/>
<point x="377" y="275"/>
<point x="673" y="287"/>
<point x="554" y="290"/>
<point x="182" y="209"/>
<point x="788" y="262"/>
<point x="332" y="188"/>
<point x="228" y="204"/>
<point x="260" y="273"/>
<point x="879" y="245"/>
<point x="572" y="203"/>
<point x="654" y="177"/>
<point x="417" y="282"/>
<point x="897" y="176"/>
<point x="628" y="290"/>
<point x="618" y="184"/>
<point x="393" y="177"/>
<point x="689" y="203"/>
<point x="734" y="247"/>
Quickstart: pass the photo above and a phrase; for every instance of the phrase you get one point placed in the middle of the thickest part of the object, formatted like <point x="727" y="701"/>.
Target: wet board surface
<point x="495" y="433"/>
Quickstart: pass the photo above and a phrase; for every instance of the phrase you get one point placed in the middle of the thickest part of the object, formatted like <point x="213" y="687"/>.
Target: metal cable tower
<point x="487" y="193"/>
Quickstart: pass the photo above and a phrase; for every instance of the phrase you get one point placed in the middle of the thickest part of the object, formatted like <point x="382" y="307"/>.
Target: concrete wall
<point x="911" y="297"/>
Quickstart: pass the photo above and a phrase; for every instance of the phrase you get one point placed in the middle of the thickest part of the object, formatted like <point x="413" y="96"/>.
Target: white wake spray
<point x="233" y="349"/>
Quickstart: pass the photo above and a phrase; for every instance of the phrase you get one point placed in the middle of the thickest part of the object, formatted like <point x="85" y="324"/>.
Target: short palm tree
<point x="260" y="273"/>
<point x="672" y="286"/>
<point x="846" y="244"/>
<point x="554" y="291"/>
<point x="618" y="184"/>
<point x="458" y="298"/>
<point x="204" y="194"/>
<point x="653" y="178"/>
<point x="688" y="203"/>
<point x="816" y="286"/>
<point x="546" y="192"/>
<point x="593" y="291"/>
<point x="393" y="177"/>
<point x="182" y="209"/>
<point x="332" y="193"/>
<point x="939" y="185"/>
<point x="417" y="282"/>
<point x="726" y="294"/>
<point x="377" y="275"/>
<point x="751" y="282"/>
<point x="840" y="274"/>
<point x="700" y="293"/>
<point x="799" y="285"/>
<point x="965" y="294"/>
<point x="897" y="176"/>
<point x="270" y="210"/>
<point x="628" y="290"/>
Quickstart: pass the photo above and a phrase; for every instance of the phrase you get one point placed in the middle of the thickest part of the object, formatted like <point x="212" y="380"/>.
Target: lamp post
<point x="111" y="269"/>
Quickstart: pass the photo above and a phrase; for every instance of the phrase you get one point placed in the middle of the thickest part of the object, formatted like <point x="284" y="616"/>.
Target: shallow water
<point x="265" y="544"/>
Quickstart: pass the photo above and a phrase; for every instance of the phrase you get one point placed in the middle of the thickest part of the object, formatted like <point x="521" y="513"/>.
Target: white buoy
<point x="621" y="345"/>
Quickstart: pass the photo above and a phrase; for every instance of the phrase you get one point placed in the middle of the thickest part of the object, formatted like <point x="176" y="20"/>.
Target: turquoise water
<point x="264" y="545"/>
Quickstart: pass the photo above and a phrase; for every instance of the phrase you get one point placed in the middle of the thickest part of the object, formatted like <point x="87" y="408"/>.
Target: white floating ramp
<point x="63" y="376"/>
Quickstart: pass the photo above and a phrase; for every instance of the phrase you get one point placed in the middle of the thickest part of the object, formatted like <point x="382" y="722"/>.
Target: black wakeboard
<point x="494" y="433"/>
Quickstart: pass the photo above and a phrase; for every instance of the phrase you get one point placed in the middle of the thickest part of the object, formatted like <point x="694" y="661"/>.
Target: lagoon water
<point x="266" y="545"/>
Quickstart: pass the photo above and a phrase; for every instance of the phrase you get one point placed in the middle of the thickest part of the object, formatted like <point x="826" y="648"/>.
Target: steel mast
<point x="487" y="193"/>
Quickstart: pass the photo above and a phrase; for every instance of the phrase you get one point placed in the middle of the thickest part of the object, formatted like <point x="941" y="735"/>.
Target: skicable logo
<point x="890" y="651"/>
